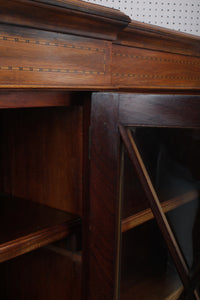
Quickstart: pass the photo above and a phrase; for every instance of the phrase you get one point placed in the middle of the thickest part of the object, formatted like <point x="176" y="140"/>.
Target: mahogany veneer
<point x="60" y="142"/>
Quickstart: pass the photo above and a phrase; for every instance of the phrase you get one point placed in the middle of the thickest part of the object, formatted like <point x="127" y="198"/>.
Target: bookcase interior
<point x="41" y="201"/>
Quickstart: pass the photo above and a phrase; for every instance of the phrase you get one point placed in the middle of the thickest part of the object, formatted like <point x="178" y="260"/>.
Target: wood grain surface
<point x="26" y="226"/>
<point x="136" y="67"/>
<point x="104" y="219"/>
<point x="35" y="58"/>
<point x="70" y="45"/>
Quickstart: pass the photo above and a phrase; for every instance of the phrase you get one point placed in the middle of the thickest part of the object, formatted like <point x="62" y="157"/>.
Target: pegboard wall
<point x="182" y="15"/>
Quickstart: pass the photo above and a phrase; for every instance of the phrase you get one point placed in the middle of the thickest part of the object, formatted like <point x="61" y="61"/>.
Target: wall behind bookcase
<point x="182" y="15"/>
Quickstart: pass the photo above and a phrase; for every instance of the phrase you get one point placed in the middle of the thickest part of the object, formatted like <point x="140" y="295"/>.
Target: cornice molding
<point x="146" y="36"/>
<point x="66" y="16"/>
<point x="85" y="7"/>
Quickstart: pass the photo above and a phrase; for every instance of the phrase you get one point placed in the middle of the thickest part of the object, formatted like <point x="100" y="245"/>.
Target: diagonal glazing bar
<point x="156" y="208"/>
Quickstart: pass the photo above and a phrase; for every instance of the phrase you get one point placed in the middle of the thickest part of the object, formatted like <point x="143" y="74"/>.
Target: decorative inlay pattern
<point x="152" y="58"/>
<point x="10" y="68"/>
<point x="46" y="43"/>
<point x="53" y="44"/>
<point x="151" y="76"/>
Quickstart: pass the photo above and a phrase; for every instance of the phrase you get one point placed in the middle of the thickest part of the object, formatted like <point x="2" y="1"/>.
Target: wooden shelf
<point x="26" y="225"/>
<point x="157" y="287"/>
<point x="146" y="215"/>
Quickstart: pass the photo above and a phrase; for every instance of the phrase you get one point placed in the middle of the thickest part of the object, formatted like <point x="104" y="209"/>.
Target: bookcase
<point x="99" y="132"/>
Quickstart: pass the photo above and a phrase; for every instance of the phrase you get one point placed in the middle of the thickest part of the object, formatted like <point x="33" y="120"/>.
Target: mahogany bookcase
<point x="96" y="111"/>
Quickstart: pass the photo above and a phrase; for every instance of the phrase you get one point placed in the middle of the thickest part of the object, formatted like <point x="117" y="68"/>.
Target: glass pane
<point x="134" y="199"/>
<point x="147" y="270"/>
<point x="171" y="157"/>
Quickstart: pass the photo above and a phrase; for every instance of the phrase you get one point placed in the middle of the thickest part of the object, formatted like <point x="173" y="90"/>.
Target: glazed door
<point x="147" y="210"/>
<point x="163" y="149"/>
<point x="163" y="220"/>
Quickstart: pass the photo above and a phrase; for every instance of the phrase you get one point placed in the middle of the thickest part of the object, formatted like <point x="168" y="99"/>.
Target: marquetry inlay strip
<point x="47" y="43"/>
<point x="87" y="50"/>
<point x="152" y="76"/>
<point x="158" y="59"/>
<point x="138" y="67"/>
<point x="31" y="69"/>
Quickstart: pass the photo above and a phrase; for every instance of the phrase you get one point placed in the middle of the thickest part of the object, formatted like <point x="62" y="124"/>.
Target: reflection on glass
<point x="171" y="157"/>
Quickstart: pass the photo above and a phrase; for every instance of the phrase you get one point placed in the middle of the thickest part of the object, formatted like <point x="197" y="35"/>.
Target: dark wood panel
<point x="42" y="274"/>
<point x="86" y="184"/>
<point x="160" y="110"/>
<point x="26" y="225"/>
<point x="104" y="231"/>
<point x="134" y="67"/>
<point x="41" y="156"/>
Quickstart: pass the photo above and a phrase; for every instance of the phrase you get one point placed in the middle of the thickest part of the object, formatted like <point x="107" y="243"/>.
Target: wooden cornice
<point x="85" y="7"/>
<point x="65" y="16"/>
<point x="141" y="35"/>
